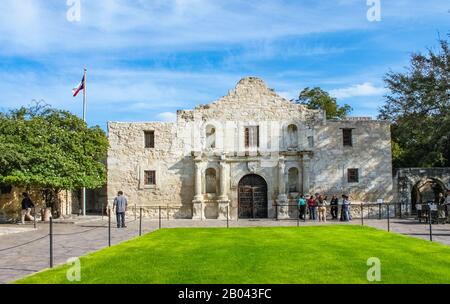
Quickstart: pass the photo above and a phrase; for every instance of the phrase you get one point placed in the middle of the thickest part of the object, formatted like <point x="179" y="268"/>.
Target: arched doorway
<point x="425" y="191"/>
<point x="253" y="201"/>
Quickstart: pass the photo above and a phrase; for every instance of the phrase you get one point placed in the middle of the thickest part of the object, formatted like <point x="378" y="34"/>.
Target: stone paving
<point x="73" y="240"/>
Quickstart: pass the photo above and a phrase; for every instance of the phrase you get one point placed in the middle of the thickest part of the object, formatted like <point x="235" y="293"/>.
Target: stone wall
<point x="184" y="152"/>
<point x="10" y="203"/>
<point x="370" y="154"/>
<point x="406" y="179"/>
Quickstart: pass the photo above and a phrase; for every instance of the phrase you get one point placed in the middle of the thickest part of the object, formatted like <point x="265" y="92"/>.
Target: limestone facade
<point x="11" y="202"/>
<point x="197" y="165"/>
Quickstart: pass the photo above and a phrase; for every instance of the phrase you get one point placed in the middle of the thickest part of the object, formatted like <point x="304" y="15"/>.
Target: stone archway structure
<point x="410" y="181"/>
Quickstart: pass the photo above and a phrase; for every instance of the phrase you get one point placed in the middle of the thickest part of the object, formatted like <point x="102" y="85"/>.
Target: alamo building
<point x="249" y="153"/>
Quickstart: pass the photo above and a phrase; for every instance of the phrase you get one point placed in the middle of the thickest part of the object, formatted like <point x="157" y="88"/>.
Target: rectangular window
<point x="149" y="139"/>
<point x="348" y="137"/>
<point x="150" y="178"/>
<point x="310" y="141"/>
<point x="252" y="137"/>
<point x="353" y="175"/>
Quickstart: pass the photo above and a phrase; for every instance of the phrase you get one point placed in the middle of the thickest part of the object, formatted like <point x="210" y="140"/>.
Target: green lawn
<point x="324" y="254"/>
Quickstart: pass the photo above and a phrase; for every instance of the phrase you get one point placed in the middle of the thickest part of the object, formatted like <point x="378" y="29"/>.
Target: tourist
<point x="334" y="207"/>
<point x="447" y="203"/>
<point x="302" y="207"/>
<point x="27" y="204"/>
<point x="312" y="208"/>
<point x="120" y="206"/>
<point x="346" y="208"/>
<point x="322" y="204"/>
<point x="441" y="207"/>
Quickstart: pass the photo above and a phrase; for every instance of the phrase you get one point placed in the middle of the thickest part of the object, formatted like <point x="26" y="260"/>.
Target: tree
<point x="419" y="108"/>
<point x="50" y="149"/>
<point x="318" y="99"/>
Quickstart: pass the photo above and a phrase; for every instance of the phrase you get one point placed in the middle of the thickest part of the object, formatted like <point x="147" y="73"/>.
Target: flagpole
<point x="84" y="119"/>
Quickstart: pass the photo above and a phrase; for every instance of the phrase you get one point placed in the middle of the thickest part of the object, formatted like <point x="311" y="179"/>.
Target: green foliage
<point x="318" y="99"/>
<point x="419" y="108"/>
<point x="49" y="148"/>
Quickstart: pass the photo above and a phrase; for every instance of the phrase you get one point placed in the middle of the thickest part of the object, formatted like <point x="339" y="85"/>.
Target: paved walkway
<point x="73" y="240"/>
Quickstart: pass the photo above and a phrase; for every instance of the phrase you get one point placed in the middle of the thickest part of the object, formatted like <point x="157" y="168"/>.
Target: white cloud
<point x="167" y="117"/>
<point x="358" y="90"/>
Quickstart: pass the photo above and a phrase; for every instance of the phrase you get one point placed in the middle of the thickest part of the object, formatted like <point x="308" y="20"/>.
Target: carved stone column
<point x="306" y="173"/>
<point x="197" y="203"/>
<point x="282" y="200"/>
<point x="223" y="202"/>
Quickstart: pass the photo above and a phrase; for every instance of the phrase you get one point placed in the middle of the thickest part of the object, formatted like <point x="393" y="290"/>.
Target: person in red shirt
<point x="312" y="208"/>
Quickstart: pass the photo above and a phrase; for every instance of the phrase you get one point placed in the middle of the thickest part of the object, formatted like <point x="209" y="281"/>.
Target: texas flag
<point x="79" y="88"/>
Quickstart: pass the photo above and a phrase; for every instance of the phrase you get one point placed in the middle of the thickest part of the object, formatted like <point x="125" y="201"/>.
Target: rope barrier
<point x="79" y="232"/>
<point x="24" y="244"/>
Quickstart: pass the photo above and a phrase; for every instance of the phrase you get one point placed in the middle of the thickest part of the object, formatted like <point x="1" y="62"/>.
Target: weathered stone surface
<point x="408" y="181"/>
<point x="10" y="203"/>
<point x="212" y="138"/>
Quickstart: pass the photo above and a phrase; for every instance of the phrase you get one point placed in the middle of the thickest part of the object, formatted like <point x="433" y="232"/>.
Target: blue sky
<point x="146" y="59"/>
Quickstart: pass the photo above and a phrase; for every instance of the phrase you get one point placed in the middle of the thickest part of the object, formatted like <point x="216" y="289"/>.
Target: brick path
<point x="73" y="240"/>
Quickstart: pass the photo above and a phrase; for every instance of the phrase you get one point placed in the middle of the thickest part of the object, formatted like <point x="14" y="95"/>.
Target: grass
<point x="324" y="254"/>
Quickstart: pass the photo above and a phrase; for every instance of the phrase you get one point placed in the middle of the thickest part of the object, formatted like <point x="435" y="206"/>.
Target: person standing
<point x="27" y="204"/>
<point x="441" y="207"/>
<point x="301" y="207"/>
<point x="346" y="208"/>
<point x="447" y="203"/>
<point x="312" y="208"/>
<point x="120" y="207"/>
<point x="322" y="204"/>
<point x="334" y="207"/>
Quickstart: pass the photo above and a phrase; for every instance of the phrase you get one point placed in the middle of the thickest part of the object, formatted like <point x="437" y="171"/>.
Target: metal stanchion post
<point x="35" y="216"/>
<point x="159" y="217"/>
<point x="140" y="221"/>
<point x="304" y="215"/>
<point x="362" y="214"/>
<point x="109" y="227"/>
<point x="51" y="241"/>
<point x="431" y="224"/>
<point x="388" y="217"/>
<point x="400" y="209"/>
<point x="228" y="217"/>
<point x="379" y="211"/>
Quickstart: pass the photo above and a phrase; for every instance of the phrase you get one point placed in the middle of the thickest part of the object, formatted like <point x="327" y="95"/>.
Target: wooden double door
<point x="253" y="203"/>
